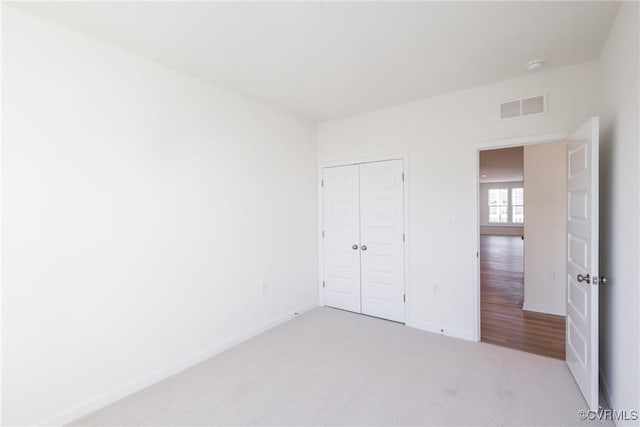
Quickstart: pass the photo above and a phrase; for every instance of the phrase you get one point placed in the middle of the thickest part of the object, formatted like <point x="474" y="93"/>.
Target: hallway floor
<point x="503" y="321"/>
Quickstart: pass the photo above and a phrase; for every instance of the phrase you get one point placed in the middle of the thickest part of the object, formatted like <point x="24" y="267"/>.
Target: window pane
<point x="494" y="214"/>
<point x="498" y="214"/>
<point x="504" y="196"/>
<point x="494" y="197"/>
<point x="498" y="205"/>
<point x="518" y="214"/>
<point x="498" y="196"/>
<point x="517" y="196"/>
<point x="504" y="212"/>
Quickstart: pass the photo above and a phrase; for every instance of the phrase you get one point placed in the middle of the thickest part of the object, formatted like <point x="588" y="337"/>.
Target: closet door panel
<point x="341" y="243"/>
<point x="381" y="237"/>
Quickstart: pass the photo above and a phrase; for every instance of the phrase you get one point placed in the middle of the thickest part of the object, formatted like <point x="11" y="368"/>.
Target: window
<point x="499" y="205"/>
<point x="517" y="205"/>
<point x="506" y="207"/>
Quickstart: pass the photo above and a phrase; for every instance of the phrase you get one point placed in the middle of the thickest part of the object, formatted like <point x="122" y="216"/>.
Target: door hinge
<point x="477" y="254"/>
<point x="403" y="176"/>
<point x="323" y="283"/>
<point x="323" y="234"/>
<point x="404" y="297"/>
<point x="403" y="238"/>
<point x="322" y="182"/>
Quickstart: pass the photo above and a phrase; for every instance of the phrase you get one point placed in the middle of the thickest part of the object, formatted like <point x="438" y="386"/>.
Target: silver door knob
<point x="601" y="280"/>
<point x="585" y="279"/>
<point x="354" y="247"/>
<point x="364" y="247"/>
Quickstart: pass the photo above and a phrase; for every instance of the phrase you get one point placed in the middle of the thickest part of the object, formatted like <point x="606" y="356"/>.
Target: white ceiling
<point x="502" y="165"/>
<point x="329" y="60"/>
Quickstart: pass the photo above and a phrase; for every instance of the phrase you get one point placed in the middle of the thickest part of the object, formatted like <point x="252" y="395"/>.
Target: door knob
<point x="585" y="279"/>
<point x="602" y="280"/>
<point x="364" y="247"/>
<point x="354" y="247"/>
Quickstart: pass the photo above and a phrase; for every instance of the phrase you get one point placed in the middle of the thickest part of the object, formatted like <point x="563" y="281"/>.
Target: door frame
<point x="496" y="144"/>
<point x="405" y="184"/>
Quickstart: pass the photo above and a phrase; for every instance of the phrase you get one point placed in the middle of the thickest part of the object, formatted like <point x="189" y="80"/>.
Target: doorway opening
<point x="581" y="280"/>
<point x="522" y="214"/>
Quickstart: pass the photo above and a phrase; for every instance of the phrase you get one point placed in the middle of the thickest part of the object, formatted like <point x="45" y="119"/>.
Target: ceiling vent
<point x="523" y="107"/>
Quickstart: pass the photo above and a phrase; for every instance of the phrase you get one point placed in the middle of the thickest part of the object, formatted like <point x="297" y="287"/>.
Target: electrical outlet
<point x="553" y="275"/>
<point x="436" y="289"/>
<point x="264" y="288"/>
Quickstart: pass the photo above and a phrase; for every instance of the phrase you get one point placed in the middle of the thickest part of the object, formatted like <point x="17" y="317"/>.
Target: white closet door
<point x="381" y="237"/>
<point x="341" y="219"/>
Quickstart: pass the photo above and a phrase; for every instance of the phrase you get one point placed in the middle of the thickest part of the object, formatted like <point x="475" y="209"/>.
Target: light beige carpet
<point x="331" y="367"/>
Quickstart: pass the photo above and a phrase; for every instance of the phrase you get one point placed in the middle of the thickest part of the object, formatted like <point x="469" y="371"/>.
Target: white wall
<point x="619" y="212"/>
<point x="143" y="211"/>
<point x="545" y="230"/>
<point x="438" y="135"/>
<point x="496" y="229"/>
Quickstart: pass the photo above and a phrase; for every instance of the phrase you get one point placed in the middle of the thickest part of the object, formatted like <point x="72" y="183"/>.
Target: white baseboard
<point x="442" y="330"/>
<point x="501" y="230"/>
<point x="92" y="405"/>
<point x="605" y="390"/>
<point x="547" y="309"/>
<point x="604" y="387"/>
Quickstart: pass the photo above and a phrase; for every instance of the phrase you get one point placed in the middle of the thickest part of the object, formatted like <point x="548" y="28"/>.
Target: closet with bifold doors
<point x="363" y="238"/>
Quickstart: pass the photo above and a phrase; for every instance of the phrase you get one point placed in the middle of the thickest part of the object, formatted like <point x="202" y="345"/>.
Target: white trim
<point x="1" y="222"/>
<point x="360" y="160"/>
<point x="520" y="141"/>
<point x="320" y="237"/>
<point x="407" y="282"/>
<point x="442" y="330"/>
<point x="542" y="308"/>
<point x="605" y="391"/>
<point x="92" y="405"/>
<point x="405" y="186"/>
<point x="501" y="143"/>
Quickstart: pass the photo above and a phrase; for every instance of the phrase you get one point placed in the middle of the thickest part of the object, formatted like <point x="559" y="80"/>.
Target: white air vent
<point x="523" y="107"/>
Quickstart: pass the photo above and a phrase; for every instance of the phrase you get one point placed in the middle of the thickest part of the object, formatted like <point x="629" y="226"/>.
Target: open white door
<point x="341" y="218"/>
<point x="582" y="259"/>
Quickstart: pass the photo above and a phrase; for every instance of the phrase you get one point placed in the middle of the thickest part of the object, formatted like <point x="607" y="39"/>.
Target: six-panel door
<point x="363" y="217"/>
<point x="582" y="259"/>
<point x="341" y="218"/>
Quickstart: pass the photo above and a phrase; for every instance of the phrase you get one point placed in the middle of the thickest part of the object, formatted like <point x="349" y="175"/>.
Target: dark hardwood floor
<point x="503" y="321"/>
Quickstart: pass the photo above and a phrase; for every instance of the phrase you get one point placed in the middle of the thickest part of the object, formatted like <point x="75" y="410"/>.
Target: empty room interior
<point x="320" y="213"/>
